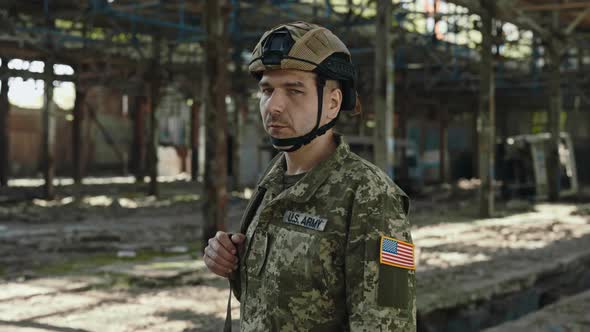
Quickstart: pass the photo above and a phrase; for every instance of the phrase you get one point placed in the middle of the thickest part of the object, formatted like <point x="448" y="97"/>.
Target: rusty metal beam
<point x="486" y="119"/>
<point x="216" y="79"/>
<point x="241" y="106"/>
<point x="506" y="10"/>
<point x="4" y="130"/>
<point x="556" y="6"/>
<point x="25" y="74"/>
<point x="77" y="139"/>
<point x="195" y="124"/>
<point x="138" y="146"/>
<point x="48" y="133"/>
<point x="581" y="16"/>
<point x="119" y="64"/>
<point x="443" y="145"/>
<point x="240" y="97"/>
<point x="108" y="138"/>
<point x="555" y="109"/>
<point x="154" y="100"/>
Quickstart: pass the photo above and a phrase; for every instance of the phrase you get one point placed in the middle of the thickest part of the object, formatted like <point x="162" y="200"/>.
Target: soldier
<point x="325" y="243"/>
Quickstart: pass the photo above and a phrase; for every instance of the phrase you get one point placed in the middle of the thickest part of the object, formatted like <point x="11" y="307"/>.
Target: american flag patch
<point x="396" y="253"/>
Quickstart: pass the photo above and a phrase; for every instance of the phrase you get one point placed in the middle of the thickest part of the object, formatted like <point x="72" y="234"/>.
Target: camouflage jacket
<point x="312" y="255"/>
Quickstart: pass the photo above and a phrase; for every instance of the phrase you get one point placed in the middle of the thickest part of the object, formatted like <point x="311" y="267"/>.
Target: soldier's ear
<point x="334" y="103"/>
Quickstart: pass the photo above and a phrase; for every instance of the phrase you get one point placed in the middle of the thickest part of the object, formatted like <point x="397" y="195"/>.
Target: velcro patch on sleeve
<point x="396" y="253"/>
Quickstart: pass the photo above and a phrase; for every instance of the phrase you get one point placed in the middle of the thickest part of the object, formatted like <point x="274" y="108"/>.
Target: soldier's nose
<point x="276" y="103"/>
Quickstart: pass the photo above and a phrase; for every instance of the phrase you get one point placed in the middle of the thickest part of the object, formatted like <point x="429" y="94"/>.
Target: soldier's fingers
<point x="221" y="251"/>
<point x="216" y="265"/>
<point x="238" y="238"/>
<point x="225" y="242"/>
<point x="215" y="268"/>
<point x="228" y="264"/>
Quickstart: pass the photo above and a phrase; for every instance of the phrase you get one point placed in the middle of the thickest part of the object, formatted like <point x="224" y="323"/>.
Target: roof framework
<point x="142" y="46"/>
<point x="109" y="40"/>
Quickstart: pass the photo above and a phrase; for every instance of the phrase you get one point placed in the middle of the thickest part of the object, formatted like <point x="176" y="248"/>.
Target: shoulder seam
<point x="371" y="167"/>
<point x="377" y="172"/>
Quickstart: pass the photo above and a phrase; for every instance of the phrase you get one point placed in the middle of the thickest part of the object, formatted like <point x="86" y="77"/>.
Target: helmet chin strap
<point x="296" y="143"/>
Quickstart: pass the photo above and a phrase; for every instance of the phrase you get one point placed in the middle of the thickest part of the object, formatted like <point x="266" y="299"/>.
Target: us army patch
<point x="305" y="220"/>
<point x="396" y="253"/>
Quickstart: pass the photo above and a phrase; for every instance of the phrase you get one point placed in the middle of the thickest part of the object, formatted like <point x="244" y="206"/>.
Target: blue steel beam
<point x="234" y="21"/>
<point x="328" y="11"/>
<point x="102" y="7"/>
<point x="143" y="5"/>
<point x="68" y="37"/>
<point x="153" y="21"/>
<point x="181" y="20"/>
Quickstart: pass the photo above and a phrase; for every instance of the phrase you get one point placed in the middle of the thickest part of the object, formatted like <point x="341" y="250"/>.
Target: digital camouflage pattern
<point x="296" y="278"/>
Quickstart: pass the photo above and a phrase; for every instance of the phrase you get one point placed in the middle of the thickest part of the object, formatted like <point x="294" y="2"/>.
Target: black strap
<point x="227" y="325"/>
<point x="248" y="215"/>
<point x="298" y="142"/>
<point x="322" y="130"/>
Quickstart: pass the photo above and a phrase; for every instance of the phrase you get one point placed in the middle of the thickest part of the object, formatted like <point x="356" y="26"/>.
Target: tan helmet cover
<point x="313" y="43"/>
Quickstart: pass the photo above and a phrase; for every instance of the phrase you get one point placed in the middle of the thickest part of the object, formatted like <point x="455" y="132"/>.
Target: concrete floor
<point x="66" y="274"/>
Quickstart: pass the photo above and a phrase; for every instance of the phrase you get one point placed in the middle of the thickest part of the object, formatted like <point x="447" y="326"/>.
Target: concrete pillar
<point x="384" y="89"/>
<point x="153" y="101"/>
<point x="402" y="133"/>
<point x="486" y="118"/>
<point x="555" y="108"/>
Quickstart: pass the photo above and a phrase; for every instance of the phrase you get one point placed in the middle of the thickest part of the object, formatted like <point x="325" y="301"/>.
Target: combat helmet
<point x="307" y="47"/>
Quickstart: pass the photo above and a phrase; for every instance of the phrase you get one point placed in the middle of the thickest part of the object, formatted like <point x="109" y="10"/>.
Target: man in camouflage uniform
<point x="324" y="244"/>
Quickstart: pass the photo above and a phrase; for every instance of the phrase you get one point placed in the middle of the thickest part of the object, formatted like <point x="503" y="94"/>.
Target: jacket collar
<point x="305" y="188"/>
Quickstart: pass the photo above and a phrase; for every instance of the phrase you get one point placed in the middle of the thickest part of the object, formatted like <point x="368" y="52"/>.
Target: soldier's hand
<point x="221" y="253"/>
<point x="238" y="240"/>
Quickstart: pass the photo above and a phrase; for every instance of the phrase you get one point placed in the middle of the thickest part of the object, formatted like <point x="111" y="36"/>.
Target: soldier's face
<point x="289" y="103"/>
